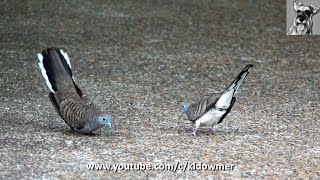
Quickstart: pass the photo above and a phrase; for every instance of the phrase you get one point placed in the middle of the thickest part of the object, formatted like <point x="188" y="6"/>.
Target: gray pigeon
<point x="66" y="97"/>
<point x="213" y="110"/>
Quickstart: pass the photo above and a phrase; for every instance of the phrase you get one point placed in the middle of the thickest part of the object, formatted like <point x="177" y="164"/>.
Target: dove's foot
<point x="194" y="132"/>
<point x="210" y="132"/>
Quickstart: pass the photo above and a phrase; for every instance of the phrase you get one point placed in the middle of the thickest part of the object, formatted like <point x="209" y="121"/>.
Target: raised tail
<point x="226" y="97"/>
<point x="237" y="82"/>
<point x="56" y="68"/>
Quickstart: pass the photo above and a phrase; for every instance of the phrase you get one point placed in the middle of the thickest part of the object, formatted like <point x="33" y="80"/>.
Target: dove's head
<point x="105" y="120"/>
<point x="186" y="107"/>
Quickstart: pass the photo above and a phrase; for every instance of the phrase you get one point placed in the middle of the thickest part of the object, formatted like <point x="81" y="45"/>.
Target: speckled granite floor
<point x="140" y="60"/>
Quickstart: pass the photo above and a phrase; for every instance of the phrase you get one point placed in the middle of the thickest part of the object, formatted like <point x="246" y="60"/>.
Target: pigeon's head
<point x="105" y="120"/>
<point x="186" y="107"/>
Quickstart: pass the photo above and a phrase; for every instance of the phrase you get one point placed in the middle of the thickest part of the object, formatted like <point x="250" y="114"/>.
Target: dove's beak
<point x="108" y="122"/>
<point x="109" y="125"/>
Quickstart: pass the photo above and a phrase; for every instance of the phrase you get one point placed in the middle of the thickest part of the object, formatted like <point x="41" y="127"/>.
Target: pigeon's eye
<point x="103" y="119"/>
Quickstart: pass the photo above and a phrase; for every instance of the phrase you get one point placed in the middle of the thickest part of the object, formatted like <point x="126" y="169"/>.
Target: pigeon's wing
<point x="198" y="109"/>
<point x="228" y="110"/>
<point x="57" y="108"/>
<point x="54" y="103"/>
<point x="72" y="108"/>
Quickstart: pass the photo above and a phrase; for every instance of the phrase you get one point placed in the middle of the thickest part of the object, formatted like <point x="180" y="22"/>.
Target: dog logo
<point x="302" y="23"/>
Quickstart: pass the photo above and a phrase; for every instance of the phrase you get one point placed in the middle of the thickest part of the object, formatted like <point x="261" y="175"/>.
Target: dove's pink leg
<point x="194" y="132"/>
<point x="210" y="132"/>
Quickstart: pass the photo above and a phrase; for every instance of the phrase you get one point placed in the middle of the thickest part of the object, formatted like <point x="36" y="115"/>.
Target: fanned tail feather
<point x="226" y="97"/>
<point x="55" y="68"/>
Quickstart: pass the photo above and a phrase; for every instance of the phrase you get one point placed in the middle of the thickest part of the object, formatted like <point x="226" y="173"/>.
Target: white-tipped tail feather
<point x="226" y="97"/>
<point x="224" y="100"/>
<point x="44" y="72"/>
<point x="55" y="68"/>
<point x="66" y="57"/>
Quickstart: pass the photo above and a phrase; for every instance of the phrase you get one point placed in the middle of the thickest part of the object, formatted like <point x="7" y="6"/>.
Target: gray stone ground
<point x="140" y="60"/>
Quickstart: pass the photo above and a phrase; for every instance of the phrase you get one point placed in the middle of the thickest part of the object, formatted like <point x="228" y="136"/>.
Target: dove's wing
<point x="198" y="109"/>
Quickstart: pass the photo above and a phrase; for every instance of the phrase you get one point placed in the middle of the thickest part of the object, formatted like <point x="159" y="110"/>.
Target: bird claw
<point x="210" y="132"/>
<point x="194" y="132"/>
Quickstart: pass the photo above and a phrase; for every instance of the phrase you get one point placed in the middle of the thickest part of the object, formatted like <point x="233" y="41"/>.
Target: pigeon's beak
<point x="182" y="114"/>
<point x="108" y="122"/>
<point x="109" y="125"/>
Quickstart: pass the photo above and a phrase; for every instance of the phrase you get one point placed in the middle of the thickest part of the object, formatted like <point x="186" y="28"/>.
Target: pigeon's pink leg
<point x="194" y="131"/>
<point x="210" y="132"/>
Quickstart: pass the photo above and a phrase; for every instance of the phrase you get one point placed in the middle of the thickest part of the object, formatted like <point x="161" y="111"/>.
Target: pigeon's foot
<point x="210" y="132"/>
<point x="194" y="132"/>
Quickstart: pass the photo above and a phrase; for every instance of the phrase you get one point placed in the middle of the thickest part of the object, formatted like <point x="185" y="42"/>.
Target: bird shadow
<point x="114" y="133"/>
<point x="71" y="132"/>
<point x="220" y="131"/>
